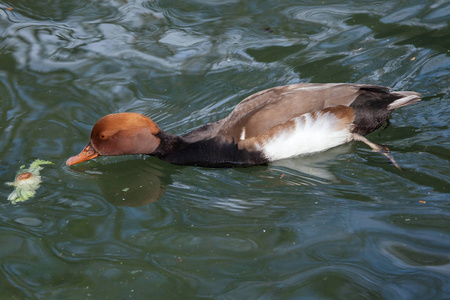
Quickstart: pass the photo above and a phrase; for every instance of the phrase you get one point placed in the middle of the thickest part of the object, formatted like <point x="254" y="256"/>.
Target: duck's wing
<point x="264" y="110"/>
<point x="258" y="113"/>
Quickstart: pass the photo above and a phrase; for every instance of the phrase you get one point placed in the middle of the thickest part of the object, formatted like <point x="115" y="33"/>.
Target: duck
<point x="273" y="124"/>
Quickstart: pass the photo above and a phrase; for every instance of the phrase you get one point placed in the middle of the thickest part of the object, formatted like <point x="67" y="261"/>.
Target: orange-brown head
<point x="120" y="134"/>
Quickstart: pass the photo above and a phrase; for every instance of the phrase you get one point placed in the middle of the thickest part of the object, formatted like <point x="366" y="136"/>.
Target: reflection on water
<point x="125" y="182"/>
<point x="315" y="166"/>
<point x="128" y="183"/>
<point x="342" y="224"/>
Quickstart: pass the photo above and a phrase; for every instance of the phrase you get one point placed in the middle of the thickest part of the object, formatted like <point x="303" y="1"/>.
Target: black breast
<point x="206" y="153"/>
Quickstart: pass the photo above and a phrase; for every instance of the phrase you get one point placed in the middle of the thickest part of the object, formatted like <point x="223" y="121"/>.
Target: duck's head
<point x="120" y="134"/>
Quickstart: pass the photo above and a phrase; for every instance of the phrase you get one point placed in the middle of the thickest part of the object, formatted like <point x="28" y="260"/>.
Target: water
<point x="343" y="224"/>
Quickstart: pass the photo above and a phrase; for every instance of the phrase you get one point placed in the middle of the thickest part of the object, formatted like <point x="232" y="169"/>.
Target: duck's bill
<point x="87" y="153"/>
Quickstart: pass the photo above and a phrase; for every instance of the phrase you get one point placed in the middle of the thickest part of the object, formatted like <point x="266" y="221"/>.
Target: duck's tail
<point x="372" y="111"/>
<point x="406" y="98"/>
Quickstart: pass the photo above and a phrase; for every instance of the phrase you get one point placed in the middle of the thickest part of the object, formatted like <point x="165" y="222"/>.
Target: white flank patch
<point x="307" y="136"/>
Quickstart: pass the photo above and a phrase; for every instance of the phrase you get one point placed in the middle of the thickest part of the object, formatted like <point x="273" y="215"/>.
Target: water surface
<point x="343" y="224"/>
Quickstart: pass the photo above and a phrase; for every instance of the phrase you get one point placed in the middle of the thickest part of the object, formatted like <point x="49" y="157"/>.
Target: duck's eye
<point x="103" y="137"/>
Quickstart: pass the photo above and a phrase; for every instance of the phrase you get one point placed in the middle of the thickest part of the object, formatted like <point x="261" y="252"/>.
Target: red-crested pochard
<point x="273" y="124"/>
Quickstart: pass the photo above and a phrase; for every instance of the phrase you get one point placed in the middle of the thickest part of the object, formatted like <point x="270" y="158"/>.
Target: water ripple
<point x="333" y="225"/>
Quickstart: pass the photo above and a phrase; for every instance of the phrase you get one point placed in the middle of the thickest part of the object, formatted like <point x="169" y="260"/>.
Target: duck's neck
<point x="208" y="153"/>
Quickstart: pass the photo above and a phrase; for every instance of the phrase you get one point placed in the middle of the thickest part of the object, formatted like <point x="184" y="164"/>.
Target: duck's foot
<point x="377" y="148"/>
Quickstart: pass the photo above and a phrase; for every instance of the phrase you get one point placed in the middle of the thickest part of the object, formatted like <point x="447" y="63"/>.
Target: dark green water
<point x="343" y="224"/>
